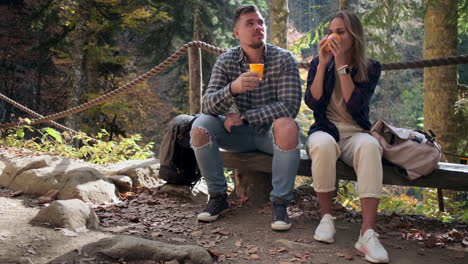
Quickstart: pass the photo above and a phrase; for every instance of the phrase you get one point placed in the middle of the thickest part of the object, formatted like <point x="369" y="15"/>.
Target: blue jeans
<point x="243" y="138"/>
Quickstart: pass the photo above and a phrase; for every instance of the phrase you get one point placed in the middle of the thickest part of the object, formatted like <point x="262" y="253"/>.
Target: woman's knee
<point x="286" y="133"/>
<point x="369" y="146"/>
<point x="320" y="142"/>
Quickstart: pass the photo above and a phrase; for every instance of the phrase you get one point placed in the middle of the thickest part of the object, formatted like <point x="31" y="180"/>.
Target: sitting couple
<point x="340" y="84"/>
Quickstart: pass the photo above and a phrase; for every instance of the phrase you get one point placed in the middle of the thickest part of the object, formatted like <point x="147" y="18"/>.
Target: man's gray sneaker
<point x="280" y="215"/>
<point x="216" y="205"/>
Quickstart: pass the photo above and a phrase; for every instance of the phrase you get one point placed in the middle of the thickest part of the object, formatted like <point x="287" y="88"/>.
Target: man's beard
<point x="257" y="45"/>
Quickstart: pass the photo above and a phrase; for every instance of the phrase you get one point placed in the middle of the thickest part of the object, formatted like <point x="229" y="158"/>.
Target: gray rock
<point x="294" y="245"/>
<point x="71" y="214"/>
<point x="73" y="179"/>
<point x="142" y="172"/>
<point x="16" y="260"/>
<point x="122" y="182"/>
<point x="135" y="248"/>
<point x="13" y="168"/>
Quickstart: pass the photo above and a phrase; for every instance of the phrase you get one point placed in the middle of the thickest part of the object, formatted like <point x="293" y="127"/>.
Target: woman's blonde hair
<point x="358" y="50"/>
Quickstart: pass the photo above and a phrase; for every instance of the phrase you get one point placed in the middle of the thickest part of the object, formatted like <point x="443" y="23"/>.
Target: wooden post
<point x="195" y="80"/>
<point x="254" y="185"/>
<point x="440" y="197"/>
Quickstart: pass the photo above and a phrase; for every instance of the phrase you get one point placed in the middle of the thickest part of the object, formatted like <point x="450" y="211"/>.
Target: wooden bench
<point x="253" y="174"/>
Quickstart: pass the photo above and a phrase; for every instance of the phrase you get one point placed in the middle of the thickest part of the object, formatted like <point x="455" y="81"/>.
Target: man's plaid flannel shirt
<point x="278" y="95"/>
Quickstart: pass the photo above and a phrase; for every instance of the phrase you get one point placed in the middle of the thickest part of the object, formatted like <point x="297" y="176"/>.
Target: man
<point x="243" y="113"/>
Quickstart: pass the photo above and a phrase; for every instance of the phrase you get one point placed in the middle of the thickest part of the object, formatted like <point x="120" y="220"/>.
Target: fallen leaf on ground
<point x="465" y="241"/>
<point x="254" y="256"/>
<point x="456" y="235"/>
<point x="277" y="250"/>
<point x="345" y="255"/>
<point x="196" y="233"/>
<point x="215" y="253"/>
<point x="434" y="241"/>
<point x="17" y="193"/>
<point x="217" y="230"/>
<point x="156" y="234"/>
<point x="232" y="255"/>
<point x="252" y="250"/>
<point x="415" y="234"/>
<point x="239" y="243"/>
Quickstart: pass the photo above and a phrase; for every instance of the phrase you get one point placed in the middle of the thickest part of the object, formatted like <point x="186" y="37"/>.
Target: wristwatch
<point x="243" y="118"/>
<point x="344" y="70"/>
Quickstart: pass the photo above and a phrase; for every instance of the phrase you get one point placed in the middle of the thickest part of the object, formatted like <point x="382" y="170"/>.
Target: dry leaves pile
<point x="426" y="232"/>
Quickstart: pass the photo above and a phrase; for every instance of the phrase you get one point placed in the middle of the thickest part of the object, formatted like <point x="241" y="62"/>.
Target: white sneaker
<point x="326" y="229"/>
<point x="370" y="246"/>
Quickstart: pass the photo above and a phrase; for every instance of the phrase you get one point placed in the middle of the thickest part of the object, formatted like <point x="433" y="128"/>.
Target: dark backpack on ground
<point x="177" y="159"/>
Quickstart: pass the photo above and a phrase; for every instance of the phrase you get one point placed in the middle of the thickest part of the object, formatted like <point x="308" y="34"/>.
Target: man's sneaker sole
<point x="280" y="226"/>
<point x="206" y="217"/>
<point x="363" y="250"/>
<point x="328" y="241"/>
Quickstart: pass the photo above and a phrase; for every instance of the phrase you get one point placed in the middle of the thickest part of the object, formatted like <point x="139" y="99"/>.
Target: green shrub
<point x="78" y="146"/>
<point x="402" y="200"/>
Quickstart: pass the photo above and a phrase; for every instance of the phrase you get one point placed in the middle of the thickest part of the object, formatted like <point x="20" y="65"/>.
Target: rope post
<point x="195" y="79"/>
<point x="440" y="198"/>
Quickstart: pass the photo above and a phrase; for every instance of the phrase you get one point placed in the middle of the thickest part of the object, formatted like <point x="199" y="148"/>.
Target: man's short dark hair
<point x="243" y="9"/>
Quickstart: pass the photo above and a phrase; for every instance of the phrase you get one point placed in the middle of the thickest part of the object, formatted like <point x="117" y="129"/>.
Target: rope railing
<point x="463" y="59"/>
<point x="166" y="63"/>
<point x="174" y="57"/>
<point x="31" y="112"/>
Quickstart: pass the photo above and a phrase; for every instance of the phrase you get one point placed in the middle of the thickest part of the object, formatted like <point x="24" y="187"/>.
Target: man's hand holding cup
<point x="248" y="81"/>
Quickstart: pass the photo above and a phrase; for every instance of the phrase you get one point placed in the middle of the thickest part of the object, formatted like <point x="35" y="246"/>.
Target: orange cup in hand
<point x="329" y="37"/>
<point x="257" y="67"/>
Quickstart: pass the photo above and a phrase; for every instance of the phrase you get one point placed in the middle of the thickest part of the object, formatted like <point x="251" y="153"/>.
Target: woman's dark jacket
<point x="358" y="104"/>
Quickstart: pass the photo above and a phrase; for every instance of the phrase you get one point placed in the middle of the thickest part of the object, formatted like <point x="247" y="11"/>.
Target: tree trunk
<point x="78" y="38"/>
<point x="279" y="13"/>
<point x="344" y="4"/>
<point x="195" y="67"/>
<point x="92" y="70"/>
<point x="387" y="82"/>
<point x="440" y="83"/>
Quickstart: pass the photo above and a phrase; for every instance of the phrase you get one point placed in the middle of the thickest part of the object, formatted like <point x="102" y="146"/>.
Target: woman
<point x="340" y="84"/>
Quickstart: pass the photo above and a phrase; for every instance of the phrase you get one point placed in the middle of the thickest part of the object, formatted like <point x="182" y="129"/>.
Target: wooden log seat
<point x="252" y="172"/>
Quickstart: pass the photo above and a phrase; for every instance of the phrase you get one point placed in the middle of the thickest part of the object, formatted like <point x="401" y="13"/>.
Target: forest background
<point x="56" y="54"/>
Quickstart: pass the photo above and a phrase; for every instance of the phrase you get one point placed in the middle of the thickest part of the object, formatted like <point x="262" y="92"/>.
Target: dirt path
<point x="242" y="235"/>
<point x="18" y="238"/>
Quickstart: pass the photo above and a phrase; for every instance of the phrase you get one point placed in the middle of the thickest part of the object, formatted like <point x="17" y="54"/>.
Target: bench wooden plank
<point x="447" y="176"/>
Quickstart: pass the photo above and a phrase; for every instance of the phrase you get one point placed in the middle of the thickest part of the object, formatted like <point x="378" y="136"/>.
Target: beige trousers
<point x="357" y="148"/>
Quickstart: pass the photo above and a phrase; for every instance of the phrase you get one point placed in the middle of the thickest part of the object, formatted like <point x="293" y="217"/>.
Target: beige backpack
<point x="414" y="151"/>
